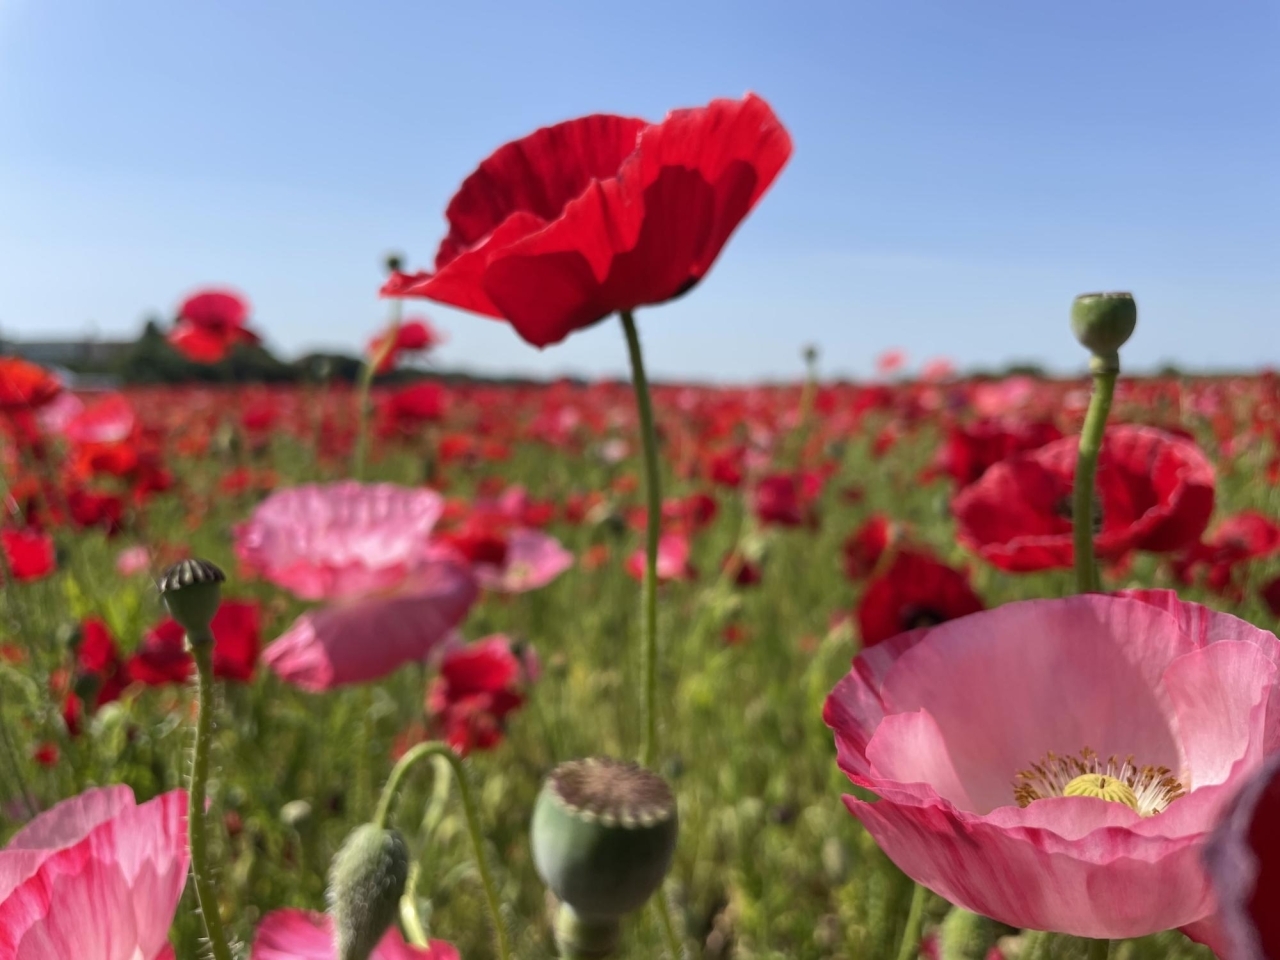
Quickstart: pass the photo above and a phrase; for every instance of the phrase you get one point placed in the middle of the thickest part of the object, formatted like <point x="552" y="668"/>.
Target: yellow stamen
<point x="1103" y="787"/>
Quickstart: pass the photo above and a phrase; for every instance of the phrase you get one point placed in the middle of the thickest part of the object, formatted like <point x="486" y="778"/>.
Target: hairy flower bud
<point x="968" y="936"/>
<point x="366" y="881"/>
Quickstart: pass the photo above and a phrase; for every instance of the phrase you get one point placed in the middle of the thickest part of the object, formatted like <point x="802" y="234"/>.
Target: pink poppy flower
<point x="339" y="541"/>
<point x="96" y="876"/>
<point x="355" y="641"/>
<point x="131" y="560"/>
<point x="997" y="743"/>
<point x="531" y="561"/>
<point x="299" y="935"/>
<point x="673" y="559"/>
<point x="108" y="420"/>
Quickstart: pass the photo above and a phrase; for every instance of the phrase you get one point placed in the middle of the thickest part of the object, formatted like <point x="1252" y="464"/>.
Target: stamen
<point x="1148" y="790"/>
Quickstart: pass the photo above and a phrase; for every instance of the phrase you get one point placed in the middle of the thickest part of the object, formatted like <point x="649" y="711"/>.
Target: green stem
<point x="15" y="764"/>
<point x="1100" y="949"/>
<point x="674" y="947"/>
<point x="364" y="407"/>
<point x="1095" y="425"/>
<point x="653" y="491"/>
<point x="202" y="651"/>
<point x="437" y="749"/>
<point x="909" y="949"/>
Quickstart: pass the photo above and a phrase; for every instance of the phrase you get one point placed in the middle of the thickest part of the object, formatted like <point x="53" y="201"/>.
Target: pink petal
<point x="1009" y="685"/>
<point x="339" y="541"/>
<point x="533" y="560"/>
<point x="910" y="748"/>
<point x="366" y="640"/>
<point x="111" y="896"/>
<point x="299" y="935"/>
<point x="1112" y="884"/>
<point x="1219" y="694"/>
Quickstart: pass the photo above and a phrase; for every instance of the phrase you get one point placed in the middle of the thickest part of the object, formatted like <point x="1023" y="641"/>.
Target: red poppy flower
<point x="916" y="591"/>
<point x="162" y="657"/>
<point x="411" y="336"/>
<point x="99" y="674"/>
<point x="407" y="409"/>
<point x="210" y="323"/>
<point x="28" y="554"/>
<point x="969" y="450"/>
<point x="1154" y="492"/>
<point x="477" y="688"/>
<point x="556" y="231"/>
<point x="25" y="386"/>
<point x="788" y="499"/>
<point x="1244" y="536"/>
<point x="864" y="548"/>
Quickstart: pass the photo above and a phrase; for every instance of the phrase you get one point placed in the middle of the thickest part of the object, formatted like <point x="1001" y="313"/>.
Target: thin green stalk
<point x="15" y="764"/>
<point x="1095" y="425"/>
<point x="653" y="492"/>
<point x="435" y="748"/>
<point x="1100" y="949"/>
<point x="909" y="948"/>
<point x="202" y="651"/>
<point x="674" y="947"/>
<point x="364" y="407"/>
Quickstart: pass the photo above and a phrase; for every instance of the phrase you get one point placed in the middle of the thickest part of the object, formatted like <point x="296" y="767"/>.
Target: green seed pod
<point x="1104" y="322"/>
<point x="968" y="936"/>
<point x="192" y="590"/>
<point x="604" y="834"/>
<point x="393" y="262"/>
<point x="366" y="882"/>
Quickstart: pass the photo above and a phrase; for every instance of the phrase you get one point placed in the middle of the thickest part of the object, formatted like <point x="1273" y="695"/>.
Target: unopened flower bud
<point x="366" y="881"/>
<point x="1103" y="322"/>
<point x="968" y="936"/>
<point x="192" y="590"/>
<point x="604" y="834"/>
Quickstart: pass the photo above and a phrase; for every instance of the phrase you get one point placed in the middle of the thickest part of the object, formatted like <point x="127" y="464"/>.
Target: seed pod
<point x="192" y="590"/>
<point x="1103" y="322"/>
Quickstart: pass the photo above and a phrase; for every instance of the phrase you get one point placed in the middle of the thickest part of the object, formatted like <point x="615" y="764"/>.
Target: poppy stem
<point x="653" y="492"/>
<point x="201" y="873"/>
<point x="909" y="948"/>
<point x="435" y="748"/>
<point x="1100" y="949"/>
<point x="364" y="408"/>
<point x="1095" y="426"/>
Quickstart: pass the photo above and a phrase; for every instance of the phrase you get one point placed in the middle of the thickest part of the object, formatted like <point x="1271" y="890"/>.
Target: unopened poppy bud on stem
<point x="1103" y="323"/>
<point x="604" y="834"/>
<point x="366" y="881"/>
<point x="192" y="590"/>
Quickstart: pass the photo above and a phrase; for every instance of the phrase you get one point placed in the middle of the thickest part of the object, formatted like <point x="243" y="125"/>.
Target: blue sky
<point x="962" y="169"/>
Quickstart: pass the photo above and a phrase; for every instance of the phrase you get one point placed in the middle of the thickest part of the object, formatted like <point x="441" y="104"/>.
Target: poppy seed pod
<point x="366" y="881"/>
<point x="192" y="590"/>
<point x="1104" y="322"/>
<point x="604" y="834"/>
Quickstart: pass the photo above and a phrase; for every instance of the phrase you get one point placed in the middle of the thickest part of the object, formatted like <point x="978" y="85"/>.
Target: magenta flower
<point x="299" y="935"/>
<point x="393" y="595"/>
<point x="532" y="560"/>
<point x="96" y="876"/>
<point x="1058" y="764"/>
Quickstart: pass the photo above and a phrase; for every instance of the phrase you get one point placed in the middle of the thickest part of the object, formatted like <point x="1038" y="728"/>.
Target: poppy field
<point x="421" y="668"/>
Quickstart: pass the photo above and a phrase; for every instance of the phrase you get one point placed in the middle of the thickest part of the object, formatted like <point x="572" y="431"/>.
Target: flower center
<point x="1147" y="790"/>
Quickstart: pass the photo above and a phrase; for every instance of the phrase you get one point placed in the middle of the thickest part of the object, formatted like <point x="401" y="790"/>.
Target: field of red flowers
<point x="921" y="667"/>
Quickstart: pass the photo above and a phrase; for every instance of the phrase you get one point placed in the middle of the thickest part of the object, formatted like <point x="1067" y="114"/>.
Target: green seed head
<point x="366" y="881"/>
<point x="1104" y="322"/>
<point x="604" y="834"/>
<point x="192" y="590"/>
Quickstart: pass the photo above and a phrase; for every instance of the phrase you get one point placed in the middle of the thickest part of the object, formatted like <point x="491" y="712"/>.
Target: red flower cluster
<point x="478" y="686"/>
<point x="210" y="323"/>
